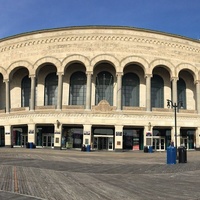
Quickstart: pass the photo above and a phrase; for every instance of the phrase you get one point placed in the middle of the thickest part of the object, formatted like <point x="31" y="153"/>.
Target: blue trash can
<point x="171" y="155"/>
<point x="31" y="145"/>
<point x="150" y="150"/>
<point x="88" y="148"/>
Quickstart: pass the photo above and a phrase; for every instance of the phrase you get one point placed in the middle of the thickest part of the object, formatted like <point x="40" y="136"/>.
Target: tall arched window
<point x="130" y="90"/>
<point x="25" y="91"/>
<point x="157" y="92"/>
<point x="51" y="87"/>
<point x="77" y="89"/>
<point x="104" y="87"/>
<point x="181" y="92"/>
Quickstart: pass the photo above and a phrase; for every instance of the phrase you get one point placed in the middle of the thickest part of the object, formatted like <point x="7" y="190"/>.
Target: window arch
<point x="181" y="92"/>
<point x="77" y="89"/>
<point x="104" y="87"/>
<point x="130" y="90"/>
<point x="51" y="89"/>
<point x="25" y="91"/>
<point x="157" y="92"/>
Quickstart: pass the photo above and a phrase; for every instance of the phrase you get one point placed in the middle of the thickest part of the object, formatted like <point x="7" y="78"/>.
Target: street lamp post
<point x="175" y="106"/>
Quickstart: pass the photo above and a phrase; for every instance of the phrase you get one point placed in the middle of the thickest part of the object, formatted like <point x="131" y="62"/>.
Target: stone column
<point x="7" y="96"/>
<point x="60" y="87"/>
<point x="198" y="96"/>
<point x="8" y="136"/>
<point x="87" y="135"/>
<point x="57" y="135"/>
<point x="88" y="91"/>
<point x="174" y="89"/>
<point x="148" y="92"/>
<point x="148" y="133"/>
<point x="31" y="133"/>
<point x="119" y="91"/>
<point x="197" y="138"/>
<point x="118" y="138"/>
<point x="32" y="102"/>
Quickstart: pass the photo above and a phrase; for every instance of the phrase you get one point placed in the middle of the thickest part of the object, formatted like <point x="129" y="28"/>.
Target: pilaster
<point x="31" y="133"/>
<point x="87" y="135"/>
<point x="57" y="135"/>
<point x="148" y="91"/>
<point x="118" y="138"/>
<point x="8" y="136"/>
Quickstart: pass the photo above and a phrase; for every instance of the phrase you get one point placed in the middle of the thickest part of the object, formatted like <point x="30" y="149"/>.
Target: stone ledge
<point x="72" y="107"/>
<point x="45" y="107"/>
<point x="134" y="108"/>
<point x="18" y="109"/>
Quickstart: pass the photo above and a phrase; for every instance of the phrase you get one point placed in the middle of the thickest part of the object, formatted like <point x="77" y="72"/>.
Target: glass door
<point x="102" y="143"/>
<point x="159" y="144"/>
<point x="156" y="144"/>
<point x="48" y="140"/>
<point x="24" y="140"/>
<point x="184" y="142"/>
<point x="162" y="144"/>
<point x="44" y="141"/>
<point x="110" y="143"/>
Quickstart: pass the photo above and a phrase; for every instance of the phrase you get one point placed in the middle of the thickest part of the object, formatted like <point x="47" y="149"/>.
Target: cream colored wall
<point x="15" y="92"/>
<point x="90" y="47"/>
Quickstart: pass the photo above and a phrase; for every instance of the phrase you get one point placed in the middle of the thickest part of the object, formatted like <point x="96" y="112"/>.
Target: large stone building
<point x="103" y="86"/>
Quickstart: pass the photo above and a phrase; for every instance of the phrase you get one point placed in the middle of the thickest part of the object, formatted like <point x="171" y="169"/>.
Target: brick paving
<point x="28" y="174"/>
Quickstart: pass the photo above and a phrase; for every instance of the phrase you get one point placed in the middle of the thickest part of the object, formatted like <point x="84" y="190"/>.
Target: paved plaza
<point x="29" y="174"/>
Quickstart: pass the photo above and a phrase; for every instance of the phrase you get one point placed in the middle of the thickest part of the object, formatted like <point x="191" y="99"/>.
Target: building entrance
<point x="48" y="140"/>
<point x="184" y="142"/>
<point x="103" y="138"/>
<point x="187" y="138"/>
<point x="159" y="144"/>
<point x="133" y="138"/>
<point x="19" y="136"/>
<point x="103" y="143"/>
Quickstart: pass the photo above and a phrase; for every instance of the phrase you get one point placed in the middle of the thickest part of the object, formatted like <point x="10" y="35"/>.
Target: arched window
<point x="157" y="92"/>
<point x="51" y="87"/>
<point x="25" y="91"/>
<point x="104" y="87"/>
<point x="130" y="90"/>
<point x="77" y="89"/>
<point x="181" y="92"/>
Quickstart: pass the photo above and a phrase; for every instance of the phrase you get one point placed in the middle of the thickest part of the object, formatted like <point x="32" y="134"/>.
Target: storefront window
<point x="132" y="139"/>
<point x="72" y="138"/>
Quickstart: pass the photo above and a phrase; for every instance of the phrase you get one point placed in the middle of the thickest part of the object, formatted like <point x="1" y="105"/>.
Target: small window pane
<point x="157" y="92"/>
<point x="25" y="91"/>
<point x="104" y="87"/>
<point x="51" y="87"/>
<point x="77" y="89"/>
<point x="130" y="90"/>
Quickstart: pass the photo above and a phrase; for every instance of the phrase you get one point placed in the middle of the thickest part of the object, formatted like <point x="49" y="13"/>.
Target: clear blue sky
<point x="181" y="17"/>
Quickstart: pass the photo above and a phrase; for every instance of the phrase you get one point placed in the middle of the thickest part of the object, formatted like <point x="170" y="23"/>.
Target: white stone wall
<point x="55" y="50"/>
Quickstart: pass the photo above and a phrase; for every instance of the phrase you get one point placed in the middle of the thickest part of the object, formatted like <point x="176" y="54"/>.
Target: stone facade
<point x="118" y="50"/>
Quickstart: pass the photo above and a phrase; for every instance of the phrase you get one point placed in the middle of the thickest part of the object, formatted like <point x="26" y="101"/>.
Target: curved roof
<point x="97" y="27"/>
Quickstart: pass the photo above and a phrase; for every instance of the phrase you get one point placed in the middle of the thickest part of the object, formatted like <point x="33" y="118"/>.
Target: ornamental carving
<point x="103" y="106"/>
<point x="101" y="37"/>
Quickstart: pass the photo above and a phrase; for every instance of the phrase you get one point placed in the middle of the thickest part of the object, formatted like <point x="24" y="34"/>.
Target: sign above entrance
<point x="119" y="133"/>
<point x="86" y="132"/>
<point x="148" y="134"/>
